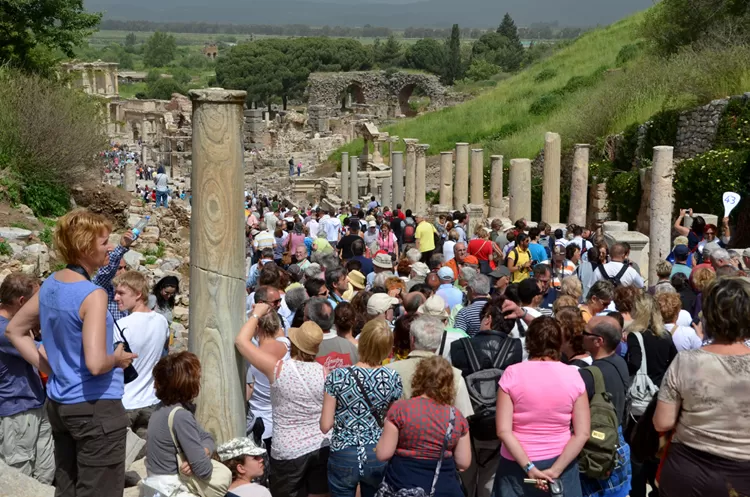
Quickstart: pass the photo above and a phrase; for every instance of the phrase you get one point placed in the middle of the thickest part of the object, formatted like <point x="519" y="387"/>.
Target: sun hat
<point x="379" y="303"/>
<point x="434" y="306"/>
<point x="445" y="273"/>
<point x="383" y="261"/>
<point x="420" y="268"/>
<point x="307" y="337"/>
<point x="357" y="279"/>
<point x="241" y="446"/>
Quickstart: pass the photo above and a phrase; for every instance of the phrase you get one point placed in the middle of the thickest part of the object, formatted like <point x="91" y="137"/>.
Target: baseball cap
<point x="242" y="446"/>
<point x="372" y="224"/>
<point x="470" y="259"/>
<point x="420" y="268"/>
<point x="500" y="271"/>
<point x="446" y="273"/>
<point x="433" y="306"/>
<point x="681" y="251"/>
<point x="379" y="303"/>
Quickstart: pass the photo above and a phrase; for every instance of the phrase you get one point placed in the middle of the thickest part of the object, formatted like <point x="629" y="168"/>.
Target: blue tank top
<point x="71" y="382"/>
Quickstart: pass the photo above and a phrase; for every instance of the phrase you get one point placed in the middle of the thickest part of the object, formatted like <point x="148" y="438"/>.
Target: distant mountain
<point x="390" y="13"/>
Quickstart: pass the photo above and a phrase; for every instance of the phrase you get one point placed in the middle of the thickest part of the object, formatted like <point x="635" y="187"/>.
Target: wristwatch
<point x="253" y="315"/>
<point x="529" y="466"/>
<point x="525" y="312"/>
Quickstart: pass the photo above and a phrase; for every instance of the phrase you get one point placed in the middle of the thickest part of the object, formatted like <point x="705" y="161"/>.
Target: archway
<point x="352" y="94"/>
<point x="136" y="131"/>
<point x="412" y="100"/>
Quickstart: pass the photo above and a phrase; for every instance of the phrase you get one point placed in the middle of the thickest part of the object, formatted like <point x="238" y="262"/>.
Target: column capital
<point x="581" y="145"/>
<point x="219" y="95"/>
<point x="411" y="144"/>
<point x="421" y="149"/>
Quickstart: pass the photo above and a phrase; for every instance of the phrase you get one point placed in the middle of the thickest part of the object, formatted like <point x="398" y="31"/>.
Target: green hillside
<point x="598" y="85"/>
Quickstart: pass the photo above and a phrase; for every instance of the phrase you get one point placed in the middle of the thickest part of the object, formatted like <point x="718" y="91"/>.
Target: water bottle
<point x="138" y="228"/>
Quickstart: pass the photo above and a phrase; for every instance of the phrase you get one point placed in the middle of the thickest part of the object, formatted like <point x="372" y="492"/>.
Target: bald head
<point x="412" y="301"/>
<point x="459" y="251"/>
<point x="619" y="251"/>
<point x="608" y="329"/>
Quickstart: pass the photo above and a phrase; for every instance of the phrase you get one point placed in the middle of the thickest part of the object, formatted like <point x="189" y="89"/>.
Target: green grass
<point x="584" y="91"/>
<point x="128" y="90"/>
<point x="20" y="225"/>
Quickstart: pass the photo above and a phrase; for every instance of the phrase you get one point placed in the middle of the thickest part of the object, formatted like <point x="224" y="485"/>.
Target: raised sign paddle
<point x="731" y="200"/>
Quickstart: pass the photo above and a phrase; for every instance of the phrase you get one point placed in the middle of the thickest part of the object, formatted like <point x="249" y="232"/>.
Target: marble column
<point x="354" y="180"/>
<point x="551" y="179"/>
<point x="410" y="188"/>
<point x="385" y="193"/>
<point x="461" y="184"/>
<point x="519" y="189"/>
<point x="496" y="186"/>
<point x="344" y="176"/>
<point x="217" y="259"/>
<point x="579" y="184"/>
<point x="421" y="175"/>
<point x="662" y="202"/>
<point x="397" y="178"/>
<point x="477" y="176"/>
<point x="446" y="178"/>
<point x="365" y="157"/>
<point x="129" y="177"/>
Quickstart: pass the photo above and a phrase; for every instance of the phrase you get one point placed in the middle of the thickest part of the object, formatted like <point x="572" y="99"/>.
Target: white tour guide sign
<point x="731" y="200"/>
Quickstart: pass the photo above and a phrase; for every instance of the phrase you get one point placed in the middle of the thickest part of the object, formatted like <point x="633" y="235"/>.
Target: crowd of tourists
<point x="391" y="354"/>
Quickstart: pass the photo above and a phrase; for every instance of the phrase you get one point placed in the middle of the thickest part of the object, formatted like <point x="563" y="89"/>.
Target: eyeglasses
<point x="273" y="302"/>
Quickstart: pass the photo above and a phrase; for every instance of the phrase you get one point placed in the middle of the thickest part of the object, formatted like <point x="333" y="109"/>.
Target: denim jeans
<point x="510" y="476"/>
<point x="343" y="472"/>
<point x="161" y="197"/>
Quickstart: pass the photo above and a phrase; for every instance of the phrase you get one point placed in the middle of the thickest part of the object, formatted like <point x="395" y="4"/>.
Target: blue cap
<point x="681" y="251"/>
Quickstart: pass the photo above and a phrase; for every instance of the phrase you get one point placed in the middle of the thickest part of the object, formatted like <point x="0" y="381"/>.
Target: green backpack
<point x="599" y="455"/>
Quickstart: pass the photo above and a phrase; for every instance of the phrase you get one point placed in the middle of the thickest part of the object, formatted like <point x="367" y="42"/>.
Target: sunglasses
<point x="273" y="302"/>
<point x="587" y="334"/>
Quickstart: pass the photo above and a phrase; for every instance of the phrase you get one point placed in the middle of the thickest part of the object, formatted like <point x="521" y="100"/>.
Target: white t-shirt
<point x="684" y="338"/>
<point x="612" y="268"/>
<point x="146" y="333"/>
<point x="162" y="182"/>
<point x="251" y="490"/>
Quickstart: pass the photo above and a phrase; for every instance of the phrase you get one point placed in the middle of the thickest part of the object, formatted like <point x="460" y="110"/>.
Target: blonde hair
<point x="564" y="301"/>
<point x="646" y="316"/>
<point x="375" y="342"/>
<point x="76" y="233"/>
<point x="135" y="281"/>
<point x="572" y="286"/>
<point x="702" y="278"/>
<point x="669" y="306"/>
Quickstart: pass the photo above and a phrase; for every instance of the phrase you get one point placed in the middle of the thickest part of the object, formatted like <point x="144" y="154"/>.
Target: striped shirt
<point x="104" y="278"/>
<point x="263" y="240"/>
<point x="469" y="318"/>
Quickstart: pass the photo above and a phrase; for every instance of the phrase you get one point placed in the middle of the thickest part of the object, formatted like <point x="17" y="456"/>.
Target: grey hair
<point x="262" y="226"/>
<point x="295" y="297"/>
<point x="326" y="261"/>
<point x="468" y="273"/>
<point x="320" y="311"/>
<point x="427" y="333"/>
<point x="720" y="254"/>
<point x="322" y="234"/>
<point x="664" y="288"/>
<point x="379" y="281"/>
<point x="313" y="271"/>
<point x="480" y="285"/>
<point x="610" y="331"/>
<point x="414" y="255"/>
<point x="602" y="289"/>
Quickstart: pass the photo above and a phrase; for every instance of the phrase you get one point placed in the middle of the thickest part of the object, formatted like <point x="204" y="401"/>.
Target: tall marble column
<point x="217" y="259"/>
<point x="421" y="176"/>
<point x="551" y="179"/>
<point x="345" y="176"/>
<point x="477" y="176"/>
<point x="461" y="184"/>
<point x="496" y="186"/>
<point x="446" y="178"/>
<point x="579" y="184"/>
<point x="365" y="157"/>
<point x="519" y="189"/>
<point x="386" y="200"/>
<point x="397" y="178"/>
<point x="129" y="176"/>
<point x="354" y="180"/>
<point x="410" y="188"/>
<point x="662" y="202"/>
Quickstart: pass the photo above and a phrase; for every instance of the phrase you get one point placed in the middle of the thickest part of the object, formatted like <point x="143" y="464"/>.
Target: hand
<point x="123" y="359"/>
<point x="261" y="309"/>
<point x="552" y="473"/>
<point x="683" y="212"/>
<point x="725" y="222"/>
<point x="698" y="327"/>
<point x="540" y="477"/>
<point x="395" y="293"/>
<point x="185" y="469"/>
<point x="511" y="310"/>
<point x="126" y="240"/>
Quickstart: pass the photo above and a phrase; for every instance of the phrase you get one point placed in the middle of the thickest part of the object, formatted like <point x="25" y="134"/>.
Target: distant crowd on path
<point x="390" y="355"/>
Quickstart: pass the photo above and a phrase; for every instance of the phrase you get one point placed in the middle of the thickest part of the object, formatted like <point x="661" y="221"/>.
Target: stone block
<point x="14" y="234"/>
<point x="609" y="226"/>
<point x="709" y="218"/>
<point x="133" y="258"/>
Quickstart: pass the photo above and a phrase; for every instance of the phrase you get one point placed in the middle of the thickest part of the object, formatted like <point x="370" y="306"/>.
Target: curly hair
<point x="434" y="378"/>
<point x="669" y="305"/>
<point x="562" y="302"/>
<point x="395" y="282"/>
<point x="177" y="378"/>
<point x="702" y="278"/>
<point x="544" y="338"/>
<point x="572" y="324"/>
<point x="572" y="286"/>
<point x="625" y="298"/>
<point x="726" y="308"/>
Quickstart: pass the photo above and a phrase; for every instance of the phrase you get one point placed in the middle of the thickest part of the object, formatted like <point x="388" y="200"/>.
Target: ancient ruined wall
<point x="696" y="129"/>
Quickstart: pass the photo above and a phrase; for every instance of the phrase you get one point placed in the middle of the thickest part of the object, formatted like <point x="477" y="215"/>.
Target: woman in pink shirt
<point x="536" y="403"/>
<point x="387" y="240"/>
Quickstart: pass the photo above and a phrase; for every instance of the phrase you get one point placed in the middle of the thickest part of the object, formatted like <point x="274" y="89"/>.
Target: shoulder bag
<point x="378" y="418"/>
<point x="642" y="390"/>
<point x="221" y="476"/>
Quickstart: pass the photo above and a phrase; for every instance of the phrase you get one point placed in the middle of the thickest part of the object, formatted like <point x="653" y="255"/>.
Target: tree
<point x="453" y="66"/>
<point x="130" y="41"/>
<point x="511" y="55"/>
<point x="389" y="54"/>
<point x="480" y="70"/>
<point x="160" y="50"/>
<point x="163" y="88"/>
<point x="508" y="29"/>
<point x="32" y="31"/>
<point x="427" y="54"/>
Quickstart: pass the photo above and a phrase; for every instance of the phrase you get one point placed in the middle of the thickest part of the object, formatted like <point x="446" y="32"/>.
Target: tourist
<point x="572" y="255"/>
<point x="271" y="339"/>
<point x="573" y="327"/>
<point x="115" y="265"/>
<point x="534" y="418"/>
<point x="708" y="453"/>
<point x="354" y="406"/>
<point x="461" y="223"/>
<point x="387" y="240"/>
<point x="335" y="351"/>
<point x="457" y="262"/>
<point x="337" y="284"/>
<point x="560" y="266"/>
<point x="484" y="250"/>
<point x="501" y="278"/>
<point x="425" y="439"/>
<point x="538" y="253"/>
<point x="425" y="237"/>
<point x="246" y="462"/>
<point x="681" y="283"/>
<point x="624" y="299"/>
<point x="162" y="300"/>
<point x="435" y="306"/>
<point x="299" y="169"/>
<point x="177" y="381"/>
<point x="449" y="245"/>
<point x="344" y="246"/>
<point x="663" y="273"/>
<point x="331" y="227"/>
<point x="372" y="235"/>
<point x="694" y="233"/>
<point x="25" y="432"/>
<point x="147" y="334"/>
<point x="619" y="270"/>
<point x="301" y="257"/>
<point x="598" y="299"/>
<point x="296" y="240"/>
<point x="382" y="305"/>
<point x="543" y="277"/>
<point x="469" y="319"/>
<point x="419" y="272"/>
<point x="433" y="281"/>
<point x="281" y="244"/>
<point x="681" y="253"/>
<point x="85" y="385"/>
<point x="519" y="259"/>
<point x="580" y="239"/>
<point x="447" y="291"/>
<point x="684" y="337"/>
<point x="162" y="187"/>
<point x="401" y="337"/>
<point x="702" y="278"/>
<point x="601" y="338"/>
<point x="264" y="239"/>
<point x="299" y="453"/>
<point x="344" y="320"/>
<point x="588" y="270"/>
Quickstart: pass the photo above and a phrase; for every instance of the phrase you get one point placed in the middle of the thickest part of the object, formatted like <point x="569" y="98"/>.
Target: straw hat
<point x="307" y="337"/>
<point x="434" y="306"/>
<point x="357" y="280"/>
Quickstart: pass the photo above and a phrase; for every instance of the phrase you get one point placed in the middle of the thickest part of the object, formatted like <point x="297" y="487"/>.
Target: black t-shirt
<point x="345" y="244"/>
<point x="616" y="381"/>
<point x="396" y="227"/>
<point x="660" y="350"/>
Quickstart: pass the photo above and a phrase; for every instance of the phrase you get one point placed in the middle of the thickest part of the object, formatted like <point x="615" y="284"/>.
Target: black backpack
<point x="616" y="278"/>
<point x="482" y="385"/>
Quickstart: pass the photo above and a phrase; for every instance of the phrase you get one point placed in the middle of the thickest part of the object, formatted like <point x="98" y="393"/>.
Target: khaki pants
<point x="480" y="476"/>
<point x="26" y="444"/>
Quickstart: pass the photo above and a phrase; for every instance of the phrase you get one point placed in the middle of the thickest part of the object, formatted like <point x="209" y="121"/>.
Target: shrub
<point x="701" y="181"/>
<point x="626" y="148"/>
<point x="46" y="198"/>
<point x="150" y="260"/>
<point x="628" y="53"/>
<point x="508" y="129"/>
<point x="481" y="70"/>
<point x="5" y="248"/>
<point x="22" y="226"/>
<point x="545" y="75"/>
<point x="734" y="126"/>
<point x="661" y="130"/>
<point x="545" y="104"/>
<point x="624" y="195"/>
<point x="46" y="236"/>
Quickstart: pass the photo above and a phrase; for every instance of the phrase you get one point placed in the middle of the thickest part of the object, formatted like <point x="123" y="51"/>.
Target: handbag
<point x="642" y="390"/>
<point x="378" y="418"/>
<point x="385" y="490"/>
<point x="286" y="258"/>
<point x="221" y="476"/>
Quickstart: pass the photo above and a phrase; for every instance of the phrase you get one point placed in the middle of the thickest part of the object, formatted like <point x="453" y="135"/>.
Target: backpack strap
<point x="599" y="386"/>
<point x="644" y="368"/>
<point x="366" y="398"/>
<point x="471" y="355"/>
<point x="601" y="269"/>
<point x="503" y="354"/>
<point x="446" y="440"/>
<point x="442" y="343"/>
<point x="621" y="273"/>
